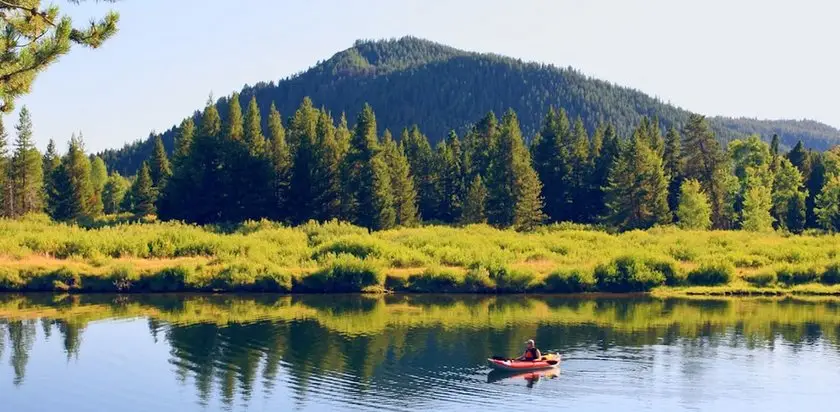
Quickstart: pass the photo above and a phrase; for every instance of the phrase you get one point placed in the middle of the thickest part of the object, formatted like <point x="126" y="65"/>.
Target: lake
<point x="414" y="352"/>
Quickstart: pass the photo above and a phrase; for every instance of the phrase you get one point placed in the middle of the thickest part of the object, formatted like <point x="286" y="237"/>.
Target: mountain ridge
<point x="410" y="80"/>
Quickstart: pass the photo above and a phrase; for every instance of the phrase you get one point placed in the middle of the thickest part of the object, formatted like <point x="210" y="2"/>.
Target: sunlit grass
<point x="36" y="254"/>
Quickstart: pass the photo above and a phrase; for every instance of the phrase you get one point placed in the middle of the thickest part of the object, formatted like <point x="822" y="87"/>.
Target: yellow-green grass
<point x="36" y="254"/>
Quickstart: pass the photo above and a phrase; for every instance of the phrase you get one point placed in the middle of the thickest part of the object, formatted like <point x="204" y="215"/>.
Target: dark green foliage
<point x="761" y="279"/>
<point x="569" y="281"/>
<point x="51" y="162"/>
<point x="369" y="200"/>
<point x="796" y="275"/>
<point x="514" y="189"/>
<point x="402" y="183"/>
<point x="408" y="79"/>
<point x="628" y="274"/>
<point x="831" y="275"/>
<point x="451" y="189"/>
<point x="421" y="162"/>
<point x="637" y="193"/>
<point x="705" y="161"/>
<point x="75" y="197"/>
<point x="281" y="162"/>
<point x="27" y="175"/>
<point x="159" y="166"/>
<point x="673" y="165"/>
<point x="474" y="207"/>
<point x="711" y="274"/>
<point x="143" y="193"/>
<point x="435" y="279"/>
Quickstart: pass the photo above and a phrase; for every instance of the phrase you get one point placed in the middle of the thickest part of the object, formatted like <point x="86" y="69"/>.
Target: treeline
<point x="314" y="167"/>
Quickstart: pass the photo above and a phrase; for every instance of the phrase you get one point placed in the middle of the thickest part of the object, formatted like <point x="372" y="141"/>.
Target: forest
<point x="311" y="167"/>
<point x="415" y="81"/>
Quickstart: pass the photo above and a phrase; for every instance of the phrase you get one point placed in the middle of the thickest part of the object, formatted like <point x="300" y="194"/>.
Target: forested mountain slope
<point x="413" y="81"/>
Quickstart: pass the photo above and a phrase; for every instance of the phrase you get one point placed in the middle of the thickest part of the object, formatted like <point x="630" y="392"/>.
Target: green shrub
<point x="711" y="274"/>
<point x="171" y="279"/>
<point x="272" y="280"/>
<point x="761" y="279"/>
<point x="10" y="279"/>
<point x="396" y="283"/>
<point x="512" y="280"/>
<point x="569" y="281"/>
<point x="345" y="273"/>
<point x="831" y="275"/>
<point x="796" y="275"/>
<point x="627" y="274"/>
<point x="434" y="279"/>
<point x="478" y="280"/>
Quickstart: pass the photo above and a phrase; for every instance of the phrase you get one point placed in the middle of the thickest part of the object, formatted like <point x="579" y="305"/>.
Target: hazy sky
<point x="755" y="58"/>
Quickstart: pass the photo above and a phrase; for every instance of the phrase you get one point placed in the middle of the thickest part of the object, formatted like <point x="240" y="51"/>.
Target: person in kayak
<point x="531" y="352"/>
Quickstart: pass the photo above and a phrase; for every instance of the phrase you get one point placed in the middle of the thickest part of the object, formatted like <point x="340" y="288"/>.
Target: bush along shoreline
<point x="37" y="255"/>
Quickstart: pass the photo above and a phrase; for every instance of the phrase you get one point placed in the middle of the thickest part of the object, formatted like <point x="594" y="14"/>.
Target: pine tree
<point x="254" y="137"/>
<point x="51" y="162"/>
<point x="327" y="170"/>
<point x="36" y="38"/>
<point x="798" y="156"/>
<point x="6" y="187"/>
<point x="827" y="208"/>
<point x="788" y="196"/>
<point x="234" y="127"/>
<point x="637" y="193"/>
<point x="514" y="188"/>
<point x="755" y="216"/>
<point x="114" y="193"/>
<point x="599" y="179"/>
<point x="474" y="204"/>
<point x="195" y="192"/>
<point x="76" y="198"/>
<point x="159" y="166"/>
<point x="774" y="145"/>
<point x="482" y="144"/>
<point x="342" y="136"/>
<point x="553" y="165"/>
<point x="814" y="183"/>
<point x="143" y="192"/>
<point x="98" y="177"/>
<point x="183" y="141"/>
<point x="303" y="132"/>
<point x="281" y="160"/>
<point x="27" y="170"/>
<point x="581" y="170"/>
<point x="693" y="211"/>
<point x="421" y="162"/>
<point x="704" y="161"/>
<point x="402" y="183"/>
<point x="369" y="199"/>
<point x="672" y="161"/>
<point x="451" y="176"/>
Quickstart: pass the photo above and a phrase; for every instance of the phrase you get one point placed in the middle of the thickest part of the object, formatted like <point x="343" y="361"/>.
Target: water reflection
<point x="233" y="348"/>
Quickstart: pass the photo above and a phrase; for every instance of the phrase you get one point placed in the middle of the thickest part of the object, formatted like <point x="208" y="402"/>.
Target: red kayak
<point x="546" y="362"/>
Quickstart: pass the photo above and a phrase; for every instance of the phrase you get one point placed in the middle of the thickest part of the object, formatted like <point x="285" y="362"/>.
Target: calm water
<point x="259" y="353"/>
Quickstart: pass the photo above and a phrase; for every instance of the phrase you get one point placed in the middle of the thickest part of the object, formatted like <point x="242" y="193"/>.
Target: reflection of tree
<point x="21" y="337"/>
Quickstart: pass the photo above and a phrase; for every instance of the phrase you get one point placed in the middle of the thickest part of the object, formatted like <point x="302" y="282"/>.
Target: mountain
<point x="415" y="81"/>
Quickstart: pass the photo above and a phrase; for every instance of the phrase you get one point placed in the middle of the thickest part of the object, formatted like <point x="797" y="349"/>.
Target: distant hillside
<point x="414" y="81"/>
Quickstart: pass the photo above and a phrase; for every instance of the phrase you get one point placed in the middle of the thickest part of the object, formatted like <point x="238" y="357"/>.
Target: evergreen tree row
<point x="311" y="166"/>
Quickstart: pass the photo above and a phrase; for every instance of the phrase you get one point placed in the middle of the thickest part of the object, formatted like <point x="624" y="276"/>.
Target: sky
<point x="753" y="58"/>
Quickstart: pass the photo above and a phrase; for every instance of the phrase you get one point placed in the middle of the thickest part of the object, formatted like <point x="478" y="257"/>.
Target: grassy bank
<point x="39" y="255"/>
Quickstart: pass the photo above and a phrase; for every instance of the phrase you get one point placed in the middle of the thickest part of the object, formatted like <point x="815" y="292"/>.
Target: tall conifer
<point x="27" y="169"/>
<point x="402" y="183"/>
<point x="514" y="188"/>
